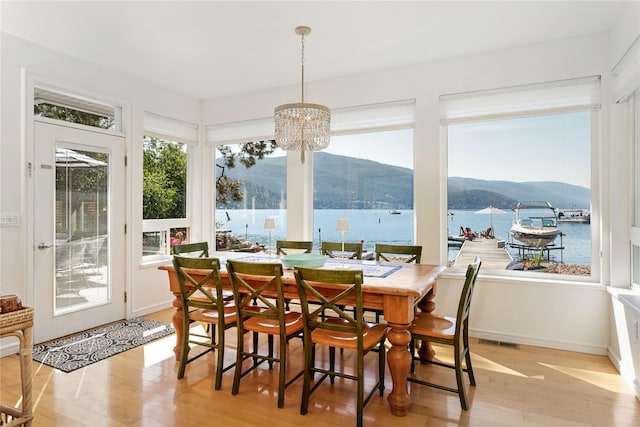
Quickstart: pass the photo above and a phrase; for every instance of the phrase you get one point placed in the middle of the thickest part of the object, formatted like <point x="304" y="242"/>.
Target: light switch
<point x="9" y="220"/>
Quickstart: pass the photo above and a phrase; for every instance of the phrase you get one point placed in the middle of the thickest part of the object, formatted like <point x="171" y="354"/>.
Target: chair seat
<point x="292" y="320"/>
<point x="211" y="316"/>
<point x="433" y="326"/>
<point x="372" y="334"/>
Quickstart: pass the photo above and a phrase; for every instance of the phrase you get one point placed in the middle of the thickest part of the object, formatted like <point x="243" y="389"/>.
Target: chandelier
<point x="302" y="126"/>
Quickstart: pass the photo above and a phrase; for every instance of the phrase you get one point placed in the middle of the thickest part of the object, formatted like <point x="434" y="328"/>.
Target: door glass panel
<point x="81" y="213"/>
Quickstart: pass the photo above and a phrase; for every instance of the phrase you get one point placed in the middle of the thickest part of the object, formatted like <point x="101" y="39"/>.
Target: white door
<point x="78" y="229"/>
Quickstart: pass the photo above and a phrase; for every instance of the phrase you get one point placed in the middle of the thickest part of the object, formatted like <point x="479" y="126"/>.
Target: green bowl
<point x="303" y="260"/>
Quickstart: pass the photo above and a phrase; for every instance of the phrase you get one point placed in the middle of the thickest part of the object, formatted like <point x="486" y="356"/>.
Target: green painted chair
<point x="449" y="331"/>
<point x="283" y="245"/>
<point x="250" y="281"/>
<point x="407" y="253"/>
<point x="341" y="329"/>
<point x="199" y="248"/>
<point x="202" y="301"/>
<point x="332" y="249"/>
<point x="396" y="253"/>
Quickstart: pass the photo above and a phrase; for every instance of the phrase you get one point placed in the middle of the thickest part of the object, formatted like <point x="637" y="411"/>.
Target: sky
<point x="548" y="148"/>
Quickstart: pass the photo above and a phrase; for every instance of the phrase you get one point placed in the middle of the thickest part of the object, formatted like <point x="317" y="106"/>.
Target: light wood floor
<point x="529" y="386"/>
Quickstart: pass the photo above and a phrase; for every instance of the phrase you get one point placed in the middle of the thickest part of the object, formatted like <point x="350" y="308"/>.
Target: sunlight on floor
<point x="608" y="381"/>
<point x="159" y="350"/>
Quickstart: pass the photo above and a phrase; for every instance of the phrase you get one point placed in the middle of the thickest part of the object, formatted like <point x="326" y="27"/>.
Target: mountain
<point x="374" y="185"/>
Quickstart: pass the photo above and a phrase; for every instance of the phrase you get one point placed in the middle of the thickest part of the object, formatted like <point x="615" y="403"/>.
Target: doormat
<point x="88" y="347"/>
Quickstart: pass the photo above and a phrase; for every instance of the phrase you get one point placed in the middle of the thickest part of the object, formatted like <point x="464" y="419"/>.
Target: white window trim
<point x="580" y="94"/>
<point x="170" y="129"/>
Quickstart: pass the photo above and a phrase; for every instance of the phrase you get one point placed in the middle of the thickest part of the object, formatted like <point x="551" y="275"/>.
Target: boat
<point x="575" y="216"/>
<point x="394" y="212"/>
<point x="534" y="224"/>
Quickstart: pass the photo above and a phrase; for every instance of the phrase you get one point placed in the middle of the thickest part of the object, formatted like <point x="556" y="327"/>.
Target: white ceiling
<point x="217" y="48"/>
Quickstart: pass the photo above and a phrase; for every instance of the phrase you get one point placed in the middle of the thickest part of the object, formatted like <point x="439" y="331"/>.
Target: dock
<point x="493" y="254"/>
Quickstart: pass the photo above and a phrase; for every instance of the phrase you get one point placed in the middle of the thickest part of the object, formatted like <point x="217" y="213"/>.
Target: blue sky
<point x="548" y="148"/>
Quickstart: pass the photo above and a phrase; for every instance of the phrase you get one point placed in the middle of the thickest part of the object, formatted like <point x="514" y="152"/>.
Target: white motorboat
<point x="576" y="216"/>
<point x="534" y="224"/>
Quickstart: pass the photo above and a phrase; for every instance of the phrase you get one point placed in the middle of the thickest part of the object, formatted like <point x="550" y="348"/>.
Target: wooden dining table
<point x="395" y="288"/>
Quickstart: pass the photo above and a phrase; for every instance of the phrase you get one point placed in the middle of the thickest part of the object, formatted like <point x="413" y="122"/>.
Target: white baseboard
<point x="9" y="347"/>
<point x="535" y="341"/>
<point x="151" y="309"/>
<point x="627" y="374"/>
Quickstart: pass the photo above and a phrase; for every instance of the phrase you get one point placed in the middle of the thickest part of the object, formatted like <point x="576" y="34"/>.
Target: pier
<point x="492" y="252"/>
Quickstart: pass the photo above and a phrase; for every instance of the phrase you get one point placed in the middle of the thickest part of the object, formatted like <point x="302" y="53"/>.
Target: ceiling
<point x="207" y="49"/>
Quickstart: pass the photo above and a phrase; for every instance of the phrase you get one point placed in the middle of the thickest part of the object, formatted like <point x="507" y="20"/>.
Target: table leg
<point x="177" y="325"/>
<point x="426" y="305"/>
<point x="399" y="360"/>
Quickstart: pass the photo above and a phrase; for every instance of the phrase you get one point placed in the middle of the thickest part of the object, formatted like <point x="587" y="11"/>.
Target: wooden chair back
<point x="283" y="245"/>
<point x="200" y="249"/>
<point x="385" y="252"/>
<point x="205" y="292"/>
<point x="250" y="281"/>
<point x="352" y="250"/>
<point x="334" y="305"/>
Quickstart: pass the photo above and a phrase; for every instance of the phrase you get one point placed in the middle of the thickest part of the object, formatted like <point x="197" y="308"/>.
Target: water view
<point x="380" y="226"/>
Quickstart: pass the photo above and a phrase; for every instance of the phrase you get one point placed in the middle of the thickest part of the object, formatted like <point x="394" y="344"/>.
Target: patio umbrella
<point x="490" y="211"/>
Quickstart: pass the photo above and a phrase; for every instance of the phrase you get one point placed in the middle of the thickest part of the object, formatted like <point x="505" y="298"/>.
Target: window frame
<point x="580" y="94"/>
<point x="186" y="133"/>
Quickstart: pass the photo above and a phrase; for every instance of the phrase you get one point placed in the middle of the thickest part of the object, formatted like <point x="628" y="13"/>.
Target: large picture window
<point x="519" y="177"/>
<point x="366" y="178"/>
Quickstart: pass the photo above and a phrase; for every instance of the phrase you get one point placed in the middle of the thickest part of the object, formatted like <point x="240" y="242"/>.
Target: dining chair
<point x="340" y="329"/>
<point x="352" y="250"/>
<point x="202" y="301"/>
<point x="449" y="331"/>
<point x="200" y="249"/>
<point x="283" y="245"/>
<point x="260" y="282"/>
<point x="397" y="253"/>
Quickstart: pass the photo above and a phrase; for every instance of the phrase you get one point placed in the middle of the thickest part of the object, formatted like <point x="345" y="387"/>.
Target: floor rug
<point x="87" y="347"/>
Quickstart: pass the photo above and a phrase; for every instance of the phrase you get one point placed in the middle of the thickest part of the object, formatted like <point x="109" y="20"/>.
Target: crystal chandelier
<point x="302" y="126"/>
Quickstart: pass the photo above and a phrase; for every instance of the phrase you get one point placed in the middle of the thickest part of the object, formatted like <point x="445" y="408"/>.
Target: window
<point x="366" y="176"/>
<point x="251" y="185"/>
<point x="58" y="104"/>
<point x="166" y="216"/>
<point x="251" y="191"/>
<point x="635" y="225"/>
<point x="519" y="175"/>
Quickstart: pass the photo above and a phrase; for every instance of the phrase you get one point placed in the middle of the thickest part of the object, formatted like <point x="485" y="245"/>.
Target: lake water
<point x="379" y="226"/>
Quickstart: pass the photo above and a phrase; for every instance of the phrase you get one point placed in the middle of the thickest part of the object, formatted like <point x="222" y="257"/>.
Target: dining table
<point x="395" y="288"/>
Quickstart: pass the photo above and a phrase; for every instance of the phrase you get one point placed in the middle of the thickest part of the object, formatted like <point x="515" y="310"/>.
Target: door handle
<point x="44" y="245"/>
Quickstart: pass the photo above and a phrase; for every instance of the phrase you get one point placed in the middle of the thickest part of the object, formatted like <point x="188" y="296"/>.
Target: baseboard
<point x="627" y="374"/>
<point x="538" y="342"/>
<point x="151" y="309"/>
<point x="9" y="347"/>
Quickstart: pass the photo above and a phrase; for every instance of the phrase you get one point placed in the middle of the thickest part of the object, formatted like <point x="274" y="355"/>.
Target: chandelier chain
<point x="302" y="64"/>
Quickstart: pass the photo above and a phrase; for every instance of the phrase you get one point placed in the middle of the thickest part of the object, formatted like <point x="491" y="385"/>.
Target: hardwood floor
<point x="529" y="386"/>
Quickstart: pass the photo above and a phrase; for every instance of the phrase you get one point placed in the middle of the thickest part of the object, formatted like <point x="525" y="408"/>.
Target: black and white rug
<point x="84" y="348"/>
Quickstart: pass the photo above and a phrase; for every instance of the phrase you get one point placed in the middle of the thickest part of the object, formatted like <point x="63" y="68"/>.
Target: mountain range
<point x="342" y="182"/>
